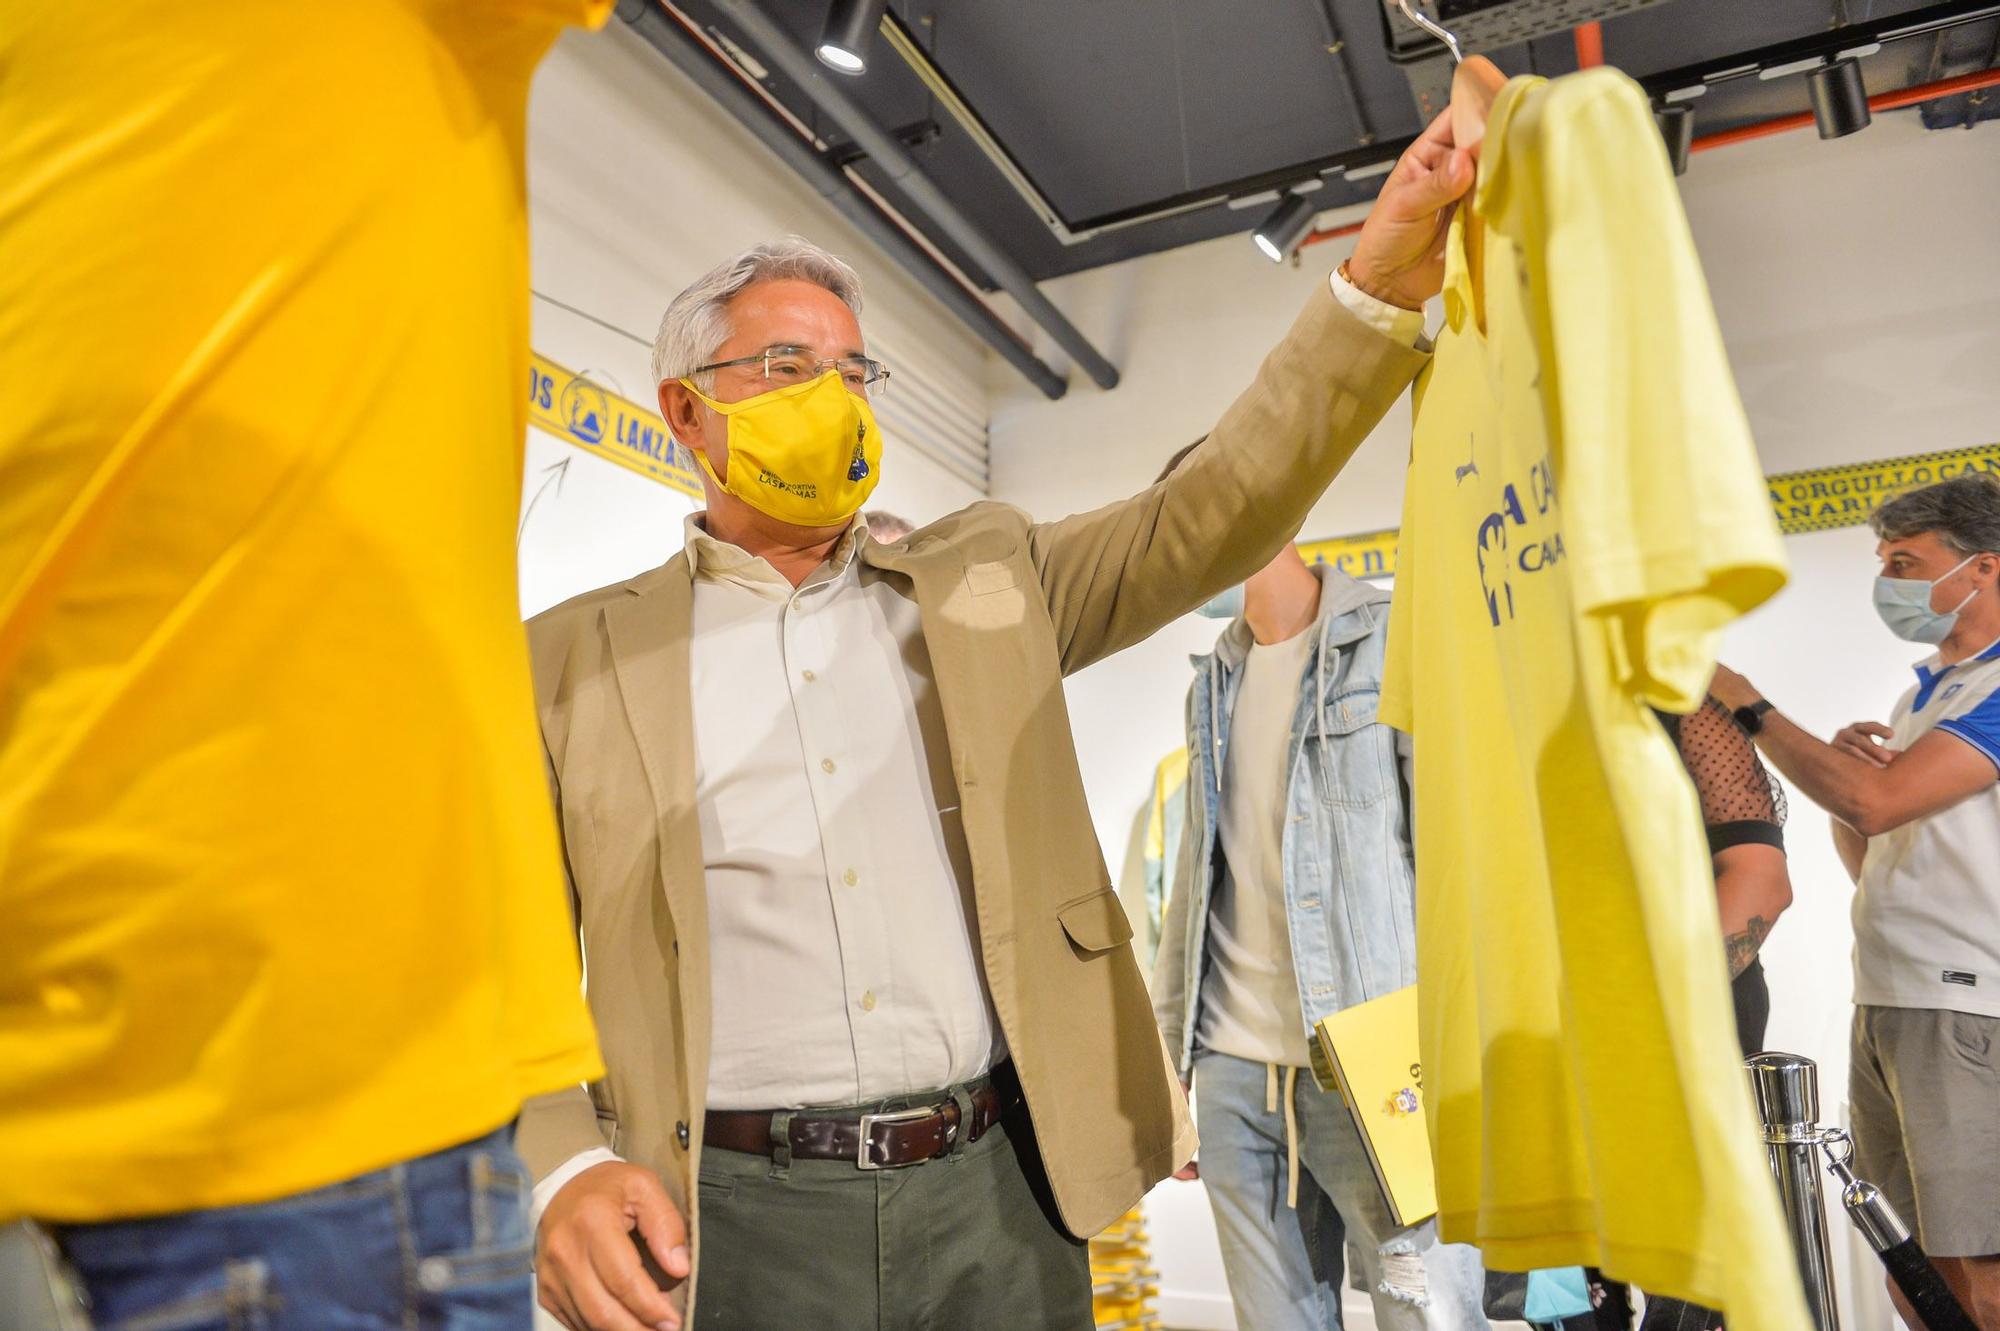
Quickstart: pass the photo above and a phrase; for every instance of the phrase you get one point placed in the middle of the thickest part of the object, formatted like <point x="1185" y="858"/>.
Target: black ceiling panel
<point x="1125" y="102"/>
<point x="1120" y="112"/>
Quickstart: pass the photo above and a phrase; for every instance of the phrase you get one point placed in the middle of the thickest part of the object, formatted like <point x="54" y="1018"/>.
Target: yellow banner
<point x="1802" y="501"/>
<point x="1829" y="497"/>
<point x="1369" y="555"/>
<point x="617" y="429"/>
<point x="580" y="412"/>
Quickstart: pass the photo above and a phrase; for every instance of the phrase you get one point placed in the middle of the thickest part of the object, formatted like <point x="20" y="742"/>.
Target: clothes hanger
<point x="1475" y="82"/>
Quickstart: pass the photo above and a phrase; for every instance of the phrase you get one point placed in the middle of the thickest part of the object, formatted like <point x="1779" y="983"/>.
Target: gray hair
<point x="1963" y="512"/>
<point x="695" y="324"/>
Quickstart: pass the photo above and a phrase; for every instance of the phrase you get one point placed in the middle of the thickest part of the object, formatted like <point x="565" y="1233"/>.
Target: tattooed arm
<point x="1744" y="811"/>
<point x="1752" y="888"/>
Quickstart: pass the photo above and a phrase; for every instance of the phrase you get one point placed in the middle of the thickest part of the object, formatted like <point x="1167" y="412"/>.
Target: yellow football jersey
<point x="1583" y="514"/>
<point x="280" y="894"/>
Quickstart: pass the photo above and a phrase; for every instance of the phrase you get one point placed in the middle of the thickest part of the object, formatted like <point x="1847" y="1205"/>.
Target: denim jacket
<point x="1349" y="881"/>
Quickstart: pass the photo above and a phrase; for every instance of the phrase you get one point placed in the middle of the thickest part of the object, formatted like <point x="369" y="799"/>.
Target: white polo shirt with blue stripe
<point x="1927" y="917"/>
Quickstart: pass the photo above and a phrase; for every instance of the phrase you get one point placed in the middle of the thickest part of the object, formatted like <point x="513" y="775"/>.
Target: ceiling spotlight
<point x="1839" y="98"/>
<point x="1287" y="225"/>
<point x="1677" y="128"/>
<point x="850" y="27"/>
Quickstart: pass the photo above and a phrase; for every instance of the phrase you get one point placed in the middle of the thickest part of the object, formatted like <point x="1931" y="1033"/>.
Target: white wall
<point x="637" y="185"/>
<point x="1858" y="287"/>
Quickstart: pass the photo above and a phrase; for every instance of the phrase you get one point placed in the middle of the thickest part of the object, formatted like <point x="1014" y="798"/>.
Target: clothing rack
<point x="1123" y="1280"/>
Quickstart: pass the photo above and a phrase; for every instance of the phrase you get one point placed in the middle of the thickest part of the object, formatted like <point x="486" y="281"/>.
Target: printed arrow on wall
<point x="551" y="475"/>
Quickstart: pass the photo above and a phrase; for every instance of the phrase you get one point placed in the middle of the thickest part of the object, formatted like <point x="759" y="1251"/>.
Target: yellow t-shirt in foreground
<point x="280" y="894"/>
<point x="1583" y="514"/>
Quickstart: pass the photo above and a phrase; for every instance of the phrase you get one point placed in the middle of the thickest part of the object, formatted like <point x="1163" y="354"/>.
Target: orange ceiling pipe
<point x="1926" y="92"/>
<point x="1331" y="233"/>
<point x="1884" y="101"/>
<point x="1589" y="45"/>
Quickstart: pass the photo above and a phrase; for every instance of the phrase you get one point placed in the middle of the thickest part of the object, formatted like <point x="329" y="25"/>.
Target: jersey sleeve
<point x="1979" y="726"/>
<point x="563" y="13"/>
<point x="506" y="39"/>
<point x="1666" y="514"/>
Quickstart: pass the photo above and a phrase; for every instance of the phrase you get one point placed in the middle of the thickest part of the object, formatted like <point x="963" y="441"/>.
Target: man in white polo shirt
<point x="1916" y="815"/>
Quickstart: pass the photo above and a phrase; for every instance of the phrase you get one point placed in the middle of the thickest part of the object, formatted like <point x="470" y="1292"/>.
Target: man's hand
<point x="589" y="1272"/>
<point x="1733" y="690"/>
<point x="1399" y="257"/>
<point x="1868" y="741"/>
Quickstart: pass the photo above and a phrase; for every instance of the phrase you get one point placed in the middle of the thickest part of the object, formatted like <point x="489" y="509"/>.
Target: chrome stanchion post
<point x="1787" y="1090"/>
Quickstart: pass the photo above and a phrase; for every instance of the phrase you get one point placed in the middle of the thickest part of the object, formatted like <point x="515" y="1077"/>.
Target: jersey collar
<point x="1929" y="665"/>
<point x="1930" y="674"/>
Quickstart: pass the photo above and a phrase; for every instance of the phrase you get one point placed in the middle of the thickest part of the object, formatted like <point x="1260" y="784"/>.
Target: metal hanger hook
<point x="1429" y="25"/>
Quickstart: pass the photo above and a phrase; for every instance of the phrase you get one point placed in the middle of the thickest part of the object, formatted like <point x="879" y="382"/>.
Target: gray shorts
<point x="1924" y="1091"/>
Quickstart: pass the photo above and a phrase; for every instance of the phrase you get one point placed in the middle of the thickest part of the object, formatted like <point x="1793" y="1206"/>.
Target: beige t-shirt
<point x="1250" y="995"/>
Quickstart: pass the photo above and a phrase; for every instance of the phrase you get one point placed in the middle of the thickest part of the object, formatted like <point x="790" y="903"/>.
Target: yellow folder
<point x="1372" y="1050"/>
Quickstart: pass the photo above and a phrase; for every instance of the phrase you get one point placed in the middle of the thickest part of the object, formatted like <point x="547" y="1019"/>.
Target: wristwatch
<point x="1751" y="718"/>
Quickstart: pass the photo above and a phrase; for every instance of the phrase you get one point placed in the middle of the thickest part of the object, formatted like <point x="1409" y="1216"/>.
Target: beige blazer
<point x="1009" y="607"/>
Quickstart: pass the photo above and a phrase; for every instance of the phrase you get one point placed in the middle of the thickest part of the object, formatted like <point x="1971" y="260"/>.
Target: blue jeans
<point x="440" y="1243"/>
<point x="1285" y="1265"/>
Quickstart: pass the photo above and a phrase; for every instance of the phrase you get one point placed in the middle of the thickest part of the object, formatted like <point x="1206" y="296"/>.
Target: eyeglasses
<point x="784" y="366"/>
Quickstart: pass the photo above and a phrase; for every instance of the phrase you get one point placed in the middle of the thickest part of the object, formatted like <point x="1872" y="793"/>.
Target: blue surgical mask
<point x="1223" y="605"/>
<point x="1905" y="606"/>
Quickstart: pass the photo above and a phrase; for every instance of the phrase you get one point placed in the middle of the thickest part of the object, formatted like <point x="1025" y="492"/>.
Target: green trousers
<point x="965" y="1242"/>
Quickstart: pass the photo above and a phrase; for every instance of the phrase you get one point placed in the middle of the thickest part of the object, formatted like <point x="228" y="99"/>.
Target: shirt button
<point x="826" y="765"/>
<point x="850" y="878"/>
<point x="681" y="1133"/>
<point x="808" y="676"/>
<point x="868" y="1001"/>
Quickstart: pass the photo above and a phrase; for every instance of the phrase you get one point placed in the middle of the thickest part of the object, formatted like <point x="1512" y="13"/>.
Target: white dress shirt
<point x="842" y="941"/>
<point x="842" y="937"/>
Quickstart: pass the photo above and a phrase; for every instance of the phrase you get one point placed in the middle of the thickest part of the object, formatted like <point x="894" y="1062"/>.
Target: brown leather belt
<point x="871" y="1141"/>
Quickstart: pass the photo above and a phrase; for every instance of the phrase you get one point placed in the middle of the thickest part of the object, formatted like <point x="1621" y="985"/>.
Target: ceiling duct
<point x="686" y="52"/>
<point x="909" y="179"/>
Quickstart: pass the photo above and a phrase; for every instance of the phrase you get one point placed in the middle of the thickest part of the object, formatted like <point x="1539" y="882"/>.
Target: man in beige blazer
<point x="879" y="1053"/>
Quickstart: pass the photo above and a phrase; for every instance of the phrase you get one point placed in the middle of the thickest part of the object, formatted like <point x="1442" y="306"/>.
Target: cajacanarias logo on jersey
<point x="1511" y="540"/>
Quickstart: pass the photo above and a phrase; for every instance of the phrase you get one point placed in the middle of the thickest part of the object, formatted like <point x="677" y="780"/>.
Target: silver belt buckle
<point x="863" y="1157"/>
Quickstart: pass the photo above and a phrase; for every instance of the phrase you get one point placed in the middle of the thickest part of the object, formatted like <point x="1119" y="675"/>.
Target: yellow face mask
<point x="808" y="454"/>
